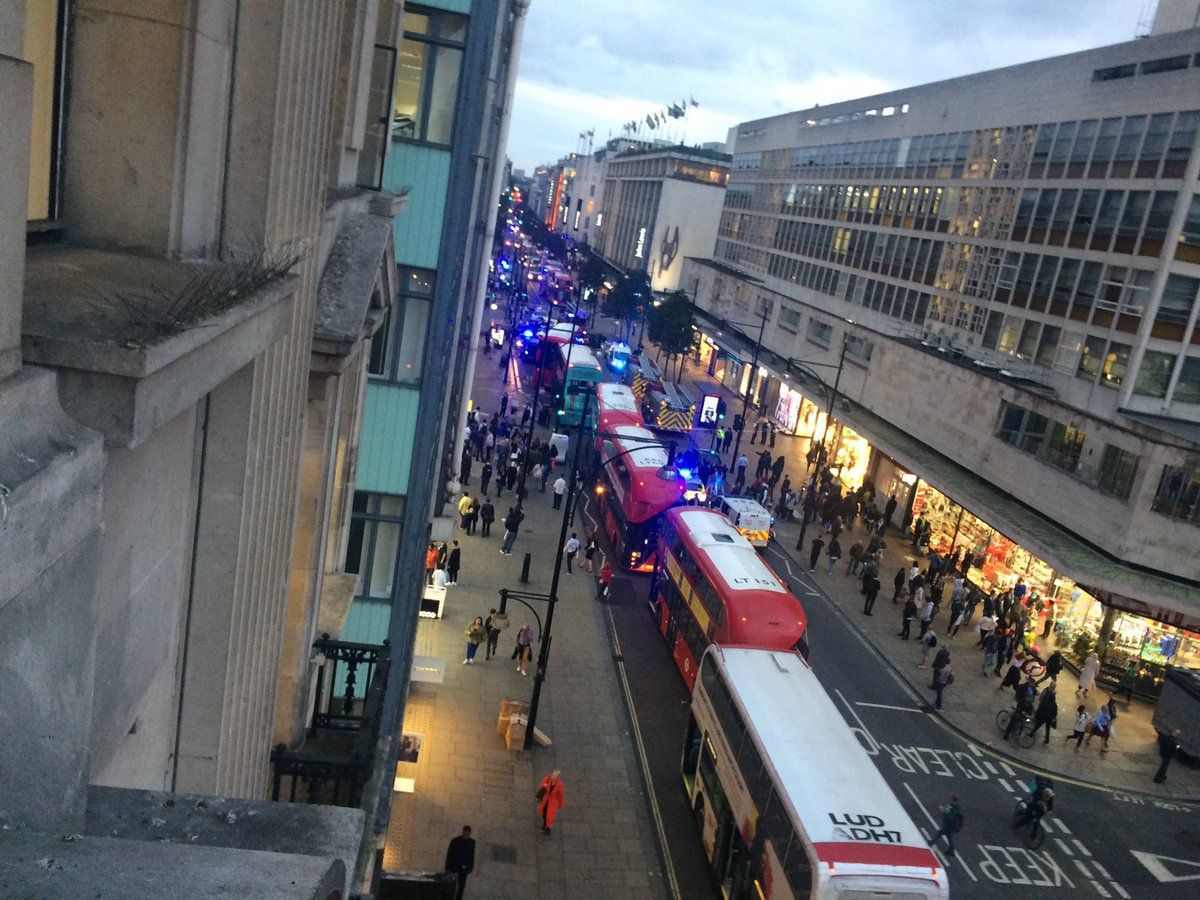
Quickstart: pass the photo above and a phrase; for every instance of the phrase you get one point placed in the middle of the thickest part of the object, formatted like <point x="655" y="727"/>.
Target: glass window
<point x="1178" y="298"/>
<point x="1048" y="345"/>
<point x="1179" y="148"/>
<point x="1127" y="146"/>
<point x="1118" y="469"/>
<point x="1092" y="357"/>
<point x="1155" y="374"/>
<point x="1153" y="145"/>
<point x="1189" y="239"/>
<point x="1187" y="389"/>
<point x="1106" y="143"/>
<point x="427" y="75"/>
<point x="379" y="100"/>
<point x="1062" y="446"/>
<point x="1028" y="342"/>
<point x="1157" y="221"/>
<point x="1085" y="215"/>
<point x="1077" y="163"/>
<point x="1116" y="362"/>
<point x="1106" y="219"/>
<point x="1178" y="494"/>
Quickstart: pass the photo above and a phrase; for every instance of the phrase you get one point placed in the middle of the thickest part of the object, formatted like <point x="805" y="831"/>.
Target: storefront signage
<point x="641" y="243"/>
<point x="708" y="411"/>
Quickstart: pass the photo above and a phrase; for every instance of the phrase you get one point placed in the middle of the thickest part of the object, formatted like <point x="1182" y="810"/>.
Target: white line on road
<point x="1121" y="892"/>
<point x="1082" y="849"/>
<point x="991" y="768"/>
<point x="1008" y="770"/>
<point x="978" y="752"/>
<point x="1100" y="889"/>
<point x="1063" y="846"/>
<point x="1003" y="782"/>
<point x="889" y="706"/>
<point x="1062" y="826"/>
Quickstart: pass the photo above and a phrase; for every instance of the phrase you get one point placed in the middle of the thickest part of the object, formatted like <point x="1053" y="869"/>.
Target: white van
<point x="749" y="518"/>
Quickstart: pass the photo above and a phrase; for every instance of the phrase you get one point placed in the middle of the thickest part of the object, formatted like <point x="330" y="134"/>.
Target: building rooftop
<point x="679" y="150"/>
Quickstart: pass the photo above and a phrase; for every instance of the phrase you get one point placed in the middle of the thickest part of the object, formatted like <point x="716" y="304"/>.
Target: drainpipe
<point x="519" y="8"/>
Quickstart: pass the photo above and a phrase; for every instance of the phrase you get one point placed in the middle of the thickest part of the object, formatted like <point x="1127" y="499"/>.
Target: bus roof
<point x="576" y="357"/>
<point x="822" y="770"/>
<point x="618" y="397"/>
<point x="648" y="493"/>
<point x="632" y="438"/>
<point x="730" y="557"/>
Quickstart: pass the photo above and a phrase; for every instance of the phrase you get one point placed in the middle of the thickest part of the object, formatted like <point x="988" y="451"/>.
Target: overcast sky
<point x="595" y="64"/>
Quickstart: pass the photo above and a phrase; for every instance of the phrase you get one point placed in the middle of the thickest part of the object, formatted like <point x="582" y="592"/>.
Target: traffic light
<point x="720" y="410"/>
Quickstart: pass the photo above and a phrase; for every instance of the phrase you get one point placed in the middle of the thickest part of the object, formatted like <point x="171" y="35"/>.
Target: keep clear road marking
<point x="889" y="706"/>
<point x="787" y="564"/>
<point x="1158" y="867"/>
<point x="937" y="852"/>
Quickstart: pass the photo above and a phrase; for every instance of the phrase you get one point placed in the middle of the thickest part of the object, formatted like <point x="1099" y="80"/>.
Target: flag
<point x="650" y="121"/>
<point x="692" y="100"/>
<point x="675" y="112"/>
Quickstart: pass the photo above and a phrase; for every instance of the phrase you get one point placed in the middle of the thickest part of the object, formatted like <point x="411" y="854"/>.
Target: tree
<point x="622" y="302"/>
<point x="592" y="273"/>
<point x="670" y="325"/>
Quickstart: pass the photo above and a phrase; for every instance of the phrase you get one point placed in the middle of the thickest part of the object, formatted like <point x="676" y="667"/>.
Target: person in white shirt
<point x="571" y="547"/>
<point x="560" y="489"/>
<point x="440" y="578"/>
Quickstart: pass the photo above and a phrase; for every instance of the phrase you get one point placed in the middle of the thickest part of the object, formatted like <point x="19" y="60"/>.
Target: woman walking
<point x="899" y="582"/>
<point x="589" y="551"/>
<point x="1087" y="674"/>
<point x="524" y="648"/>
<point x="475" y="635"/>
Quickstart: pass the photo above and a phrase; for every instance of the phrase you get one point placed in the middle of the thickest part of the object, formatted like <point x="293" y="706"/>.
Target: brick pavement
<point x="971" y="703"/>
<point x="603" y="844"/>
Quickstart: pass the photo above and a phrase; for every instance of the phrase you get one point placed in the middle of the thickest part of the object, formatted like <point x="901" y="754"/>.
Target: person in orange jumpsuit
<point x="550" y="800"/>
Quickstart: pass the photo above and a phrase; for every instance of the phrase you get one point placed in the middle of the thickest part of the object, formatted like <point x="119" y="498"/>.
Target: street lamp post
<point x="737" y="444"/>
<point x="831" y="397"/>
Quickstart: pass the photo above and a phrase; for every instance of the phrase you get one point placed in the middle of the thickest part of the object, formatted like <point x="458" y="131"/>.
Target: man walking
<point x="870" y="588"/>
<point x="560" y="490"/>
<point x="464" y="509"/>
<point x="453" y="561"/>
<point x="1168" y="746"/>
<point x="512" y="522"/>
<point x="952" y="823"/>
<point x="487" y="515"/>
<point x="460" y="858"/>
<point x="492" y="627"/>
<point x="814" y="553"/>
<point x="571" y="547"/>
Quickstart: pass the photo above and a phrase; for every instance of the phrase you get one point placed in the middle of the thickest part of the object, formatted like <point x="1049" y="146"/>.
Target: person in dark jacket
<point x="899" y="582"/>
<point x="1168" y="746"/>
<point x="814" y="553"/>
<point x="487" y="515"/>
<point x="1047" y="713"/>
<point x="485" y="477"/>
<point x="453" y="562"/>
<point x="460" y="858"/>
<point x="910" y="613"/>
<point x="1054" y="665"/>
<point x="870" y="588"/>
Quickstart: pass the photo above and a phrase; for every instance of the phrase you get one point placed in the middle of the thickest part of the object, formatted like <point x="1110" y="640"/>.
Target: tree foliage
<point x="622" y="301"/>
<point x="670" y="324"/>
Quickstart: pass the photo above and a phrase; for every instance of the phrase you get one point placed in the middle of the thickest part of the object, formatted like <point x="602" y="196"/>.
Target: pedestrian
<point x="1051" y="618"/>
<point x="989" y="653"/>
<point x="512" y="523"/>
<point x="1054" y="665"/>
<point x="942" y="677"/>
<point x="1087" y="674"/>
<point x="889" y="509"/>
<point x="1047" y="713"/>
<point x="941" y="659"/>
<point x="431" y="556"/>
<point x="560" y="490"/>
<point x="986" y="626"/>
<point x="1102" y="727"/>
<point x="727" y="440"/>
<point x="740" y="467"/>
<point x="1082" y="720"/>
<point x="571" y="547"/>
<point x="464" y="509"/>
<point x="503" y="404"/>
<point x="475" y="637"/>
<point x="453" y="562"/>
<point x="460" y="859"/>
<point x="487" y="515"/>
<point x="550" y="800"/>
<point x="442" y="552"/>
<point x="1012" y="676"/>
<point x="441" y="578"/>
<point x="605" y="580"/>
<point x="906" y="618"/>
<point x="870" y="587"/>
<point x="472" y="515"/>
<point x="524" y="648"/>
<point x="492" y="626"/>
<point x="857" y="551"/>
<point x="899" y="582"/>
<point x="589" y="551"/>
<point x="952" y="823"/>
<point x="814" y="553"/>
<point x="485" y="477"/>
<point x="1168" y="746"/>
<point x="927" y="611"/>
<point x="835" y="553"/>
<point x="927" y="640"/>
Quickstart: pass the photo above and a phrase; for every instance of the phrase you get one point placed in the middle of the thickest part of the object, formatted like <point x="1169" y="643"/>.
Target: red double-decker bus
<point x="711" y="586"/>
<point x="616" y="405"/>
<point x="635" y="487"/>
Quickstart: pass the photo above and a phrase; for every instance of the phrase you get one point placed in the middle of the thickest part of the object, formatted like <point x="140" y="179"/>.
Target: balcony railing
<point x="335" y="760"/>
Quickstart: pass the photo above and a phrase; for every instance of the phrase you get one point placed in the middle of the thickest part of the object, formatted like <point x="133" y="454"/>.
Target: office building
<point x="1007" y="267"/>
<point x="657" y="206"/>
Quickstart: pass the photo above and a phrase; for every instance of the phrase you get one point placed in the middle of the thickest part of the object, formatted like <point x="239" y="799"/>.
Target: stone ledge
<point x="127" y="392"/>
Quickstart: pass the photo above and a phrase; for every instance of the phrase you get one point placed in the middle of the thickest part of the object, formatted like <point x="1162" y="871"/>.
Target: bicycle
<point x="1025" y="733"/>
<point x="1037" y="833"/>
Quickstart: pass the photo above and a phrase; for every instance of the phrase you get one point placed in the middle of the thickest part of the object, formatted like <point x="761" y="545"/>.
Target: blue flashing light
<point x="618" y="364"/>
<point x="528" y="332"/>
<point x="686" y="473"/>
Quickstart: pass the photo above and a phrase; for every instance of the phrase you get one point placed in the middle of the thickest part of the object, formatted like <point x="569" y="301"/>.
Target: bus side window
<point x="691" y="748"/>
<point x="798" y="867"/>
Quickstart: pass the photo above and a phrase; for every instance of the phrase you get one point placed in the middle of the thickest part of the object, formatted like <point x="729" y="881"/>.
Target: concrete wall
<point x="688" y="216"/>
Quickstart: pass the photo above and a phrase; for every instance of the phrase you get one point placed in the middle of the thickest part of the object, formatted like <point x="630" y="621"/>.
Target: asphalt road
<point x="1100" y="843"/>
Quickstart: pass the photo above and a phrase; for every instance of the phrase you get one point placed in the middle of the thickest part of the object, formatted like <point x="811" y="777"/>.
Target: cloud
<point x="599" y="63"/>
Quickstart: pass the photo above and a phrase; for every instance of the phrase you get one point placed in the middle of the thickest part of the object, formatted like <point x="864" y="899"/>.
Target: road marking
<point x="1003" y="782"/>
<point x="1155" y="863"/>
<point x="641" y="749"/>
<point x="1100" y="889"/>
<point x="977" y="752"/>
<point x="1063" y="846"/>
<point x="991" y="768"/>
<point x="1008" y="769"/>
<point x="1082" y="849"/>
<point x="936" y="851"/>
<point x="1104" y="874"/>
<point x="1062" y="826"/>
<point x="889" y="706"/>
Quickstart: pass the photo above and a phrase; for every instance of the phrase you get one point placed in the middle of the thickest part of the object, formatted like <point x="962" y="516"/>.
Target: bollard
<point x="525" y="568"/>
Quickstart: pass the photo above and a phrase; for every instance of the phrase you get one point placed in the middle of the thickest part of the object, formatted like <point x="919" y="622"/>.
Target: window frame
<point x="54" y="189"/>
<point x="434" y="40"/>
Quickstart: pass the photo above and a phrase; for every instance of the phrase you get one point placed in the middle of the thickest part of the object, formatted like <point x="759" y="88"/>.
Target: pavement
<point x="970" y="705"/>
<point x="604" y="843"/>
